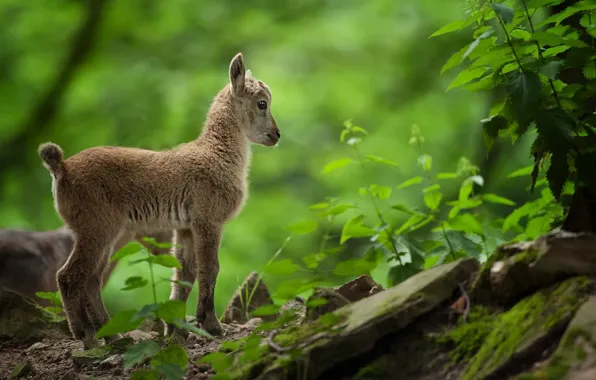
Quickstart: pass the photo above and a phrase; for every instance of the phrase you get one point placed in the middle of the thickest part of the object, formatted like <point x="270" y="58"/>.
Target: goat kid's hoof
<point x="212" y="326"/>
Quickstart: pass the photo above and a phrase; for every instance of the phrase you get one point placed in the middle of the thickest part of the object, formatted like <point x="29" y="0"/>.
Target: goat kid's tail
<point x="52" y="156"/>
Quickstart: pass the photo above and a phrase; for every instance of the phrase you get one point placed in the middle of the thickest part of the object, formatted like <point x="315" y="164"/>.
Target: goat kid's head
<point x="252" y="98"/>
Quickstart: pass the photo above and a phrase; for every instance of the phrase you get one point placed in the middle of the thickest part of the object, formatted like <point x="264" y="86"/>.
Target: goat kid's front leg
<point x="183" y="251"/>
<point x="207" y="239"/>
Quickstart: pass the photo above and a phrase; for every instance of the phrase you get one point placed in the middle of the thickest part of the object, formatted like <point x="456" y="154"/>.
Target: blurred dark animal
<point x="29" y="260"/>
<point x="194" y="188"/>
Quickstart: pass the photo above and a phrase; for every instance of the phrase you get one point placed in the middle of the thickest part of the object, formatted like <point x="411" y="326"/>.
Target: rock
<point x="355" y="290"/>
<point x="516" y="270"/>
<point x="99" y="354"/>
<point x="70" y="375"/>
<point x="35" y="346"/>
<point x="23" y="319"/>
<point x="139" y="335"/>
<point x="296" y="308"/>
<point x="526" y="330"/>
<point x="236" y="310"/>
<point x="355" y="328"/>
<point x="253" y="323"/>
<point x="575" y="356"/>
<point x="21" y="370"/>
<point x="112" y="361"/>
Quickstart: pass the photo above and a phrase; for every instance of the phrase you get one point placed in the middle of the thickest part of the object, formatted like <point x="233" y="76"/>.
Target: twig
<point x="467" y="299"/>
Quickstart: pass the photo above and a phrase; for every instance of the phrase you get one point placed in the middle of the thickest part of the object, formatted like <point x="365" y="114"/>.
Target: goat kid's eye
<point x="262" y="105"/>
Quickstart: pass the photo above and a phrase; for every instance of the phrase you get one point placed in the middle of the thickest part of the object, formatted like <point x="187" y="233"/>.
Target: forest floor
<point x="51" y="359"/>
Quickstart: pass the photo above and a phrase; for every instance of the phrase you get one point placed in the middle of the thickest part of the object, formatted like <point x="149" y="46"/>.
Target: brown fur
<point x="194" y="188"/>
<point x="29" y="260"/>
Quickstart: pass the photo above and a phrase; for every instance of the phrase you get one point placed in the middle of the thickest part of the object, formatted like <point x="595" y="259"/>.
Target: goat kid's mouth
<point x="273" y="138"/>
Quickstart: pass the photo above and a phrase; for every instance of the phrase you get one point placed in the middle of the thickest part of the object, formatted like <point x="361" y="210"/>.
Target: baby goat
<point x="194" y="189"/>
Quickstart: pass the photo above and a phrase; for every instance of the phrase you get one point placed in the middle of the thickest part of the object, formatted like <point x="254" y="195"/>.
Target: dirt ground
<point x="52" y="360"/>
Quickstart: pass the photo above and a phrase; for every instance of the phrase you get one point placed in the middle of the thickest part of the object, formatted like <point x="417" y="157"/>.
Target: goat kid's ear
<point x="237" y="74"/>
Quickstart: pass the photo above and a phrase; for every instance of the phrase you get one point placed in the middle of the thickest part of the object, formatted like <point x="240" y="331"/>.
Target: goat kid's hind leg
<point x="94" y="305"/>
<point x="207" y="240"/>
<point x="72" y="279"/>
<point x="183" y="239"/>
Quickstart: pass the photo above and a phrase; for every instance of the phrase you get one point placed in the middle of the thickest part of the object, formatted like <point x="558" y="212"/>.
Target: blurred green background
<point x="153" y="67"/>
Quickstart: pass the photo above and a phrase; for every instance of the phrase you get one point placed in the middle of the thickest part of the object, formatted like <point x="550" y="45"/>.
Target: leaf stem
<point x="451" y="250"/>
<point x="521" y="68"/>
<point x="377" y="211"/>
<point x="550" y="81"/>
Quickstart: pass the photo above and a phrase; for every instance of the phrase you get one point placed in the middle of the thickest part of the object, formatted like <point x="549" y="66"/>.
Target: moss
<point x="468" y="337"/>
<point x="375" y="370"/>
<point x="528" y="319"/>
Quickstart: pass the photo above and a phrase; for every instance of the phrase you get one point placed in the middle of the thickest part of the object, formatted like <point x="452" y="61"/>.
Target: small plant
<point x="170" y="361"/>
<point x="521" y="54"/>
<point x="55" y="300"/>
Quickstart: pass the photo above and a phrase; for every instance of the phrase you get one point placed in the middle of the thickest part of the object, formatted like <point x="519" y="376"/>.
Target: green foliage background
<point x="156" y="65"/>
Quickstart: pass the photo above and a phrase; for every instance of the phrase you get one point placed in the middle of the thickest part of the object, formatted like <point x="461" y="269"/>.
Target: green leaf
<point x="319" y="206"/>
<point x="170" y="371"/>
<point x="182" y="324"/>
<point x="303" y="228"/>
<point x="337" y="210"/>
<point x="120" y="322"/>
<point x="505" y="13"/>
<point x="127" y="250"/>
<point x="403" y="208"/>
<point x="380" y="160"/>
<point x="546" y="38"/>
<point x="353" y="267"/>
<point x="380" y="192"/>
<point x="143" y="374"/>
<point x="466" y="76"/>
<point x="521" y="34"/>
<point x="466" y="223"/>
<point x="281" y="267"/>
<point x="135" y="282"/>
<point x="219" y="361"/>
<point x="590" y="69"/>
<point x="410" y="182"/>
<point x="524" y="90"/>
<point x="580" y="6"/>
<point x="316" y="302"/>
<point x="337" y="164"/>
<point x="426" y="162"/>
<point x="551" y="69"/>
<point x="446" y="175"/>
<point x="139" y="352"/>
<point x="493" y="198"/>
<point x="432" y="197"/>
<point x="167" y="261"/>
<point x="521" y="172"/>
<point x="412" y="221"/>
<point x="452" y="27"/>
<point x="491" y="128"/>
<point x="265" y="310"/>
<point x="557" y="173"/>
<point x="355" y="229"/>
<point x="553" y="51"/>
<point x="171" y="310"/>
<point x="555" y="127"/>
<point x="171" y="355"/>
<point x="400" y="273"/>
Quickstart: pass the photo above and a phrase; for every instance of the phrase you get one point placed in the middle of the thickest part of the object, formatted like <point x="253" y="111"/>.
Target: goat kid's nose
<point x="277" y="133"/>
